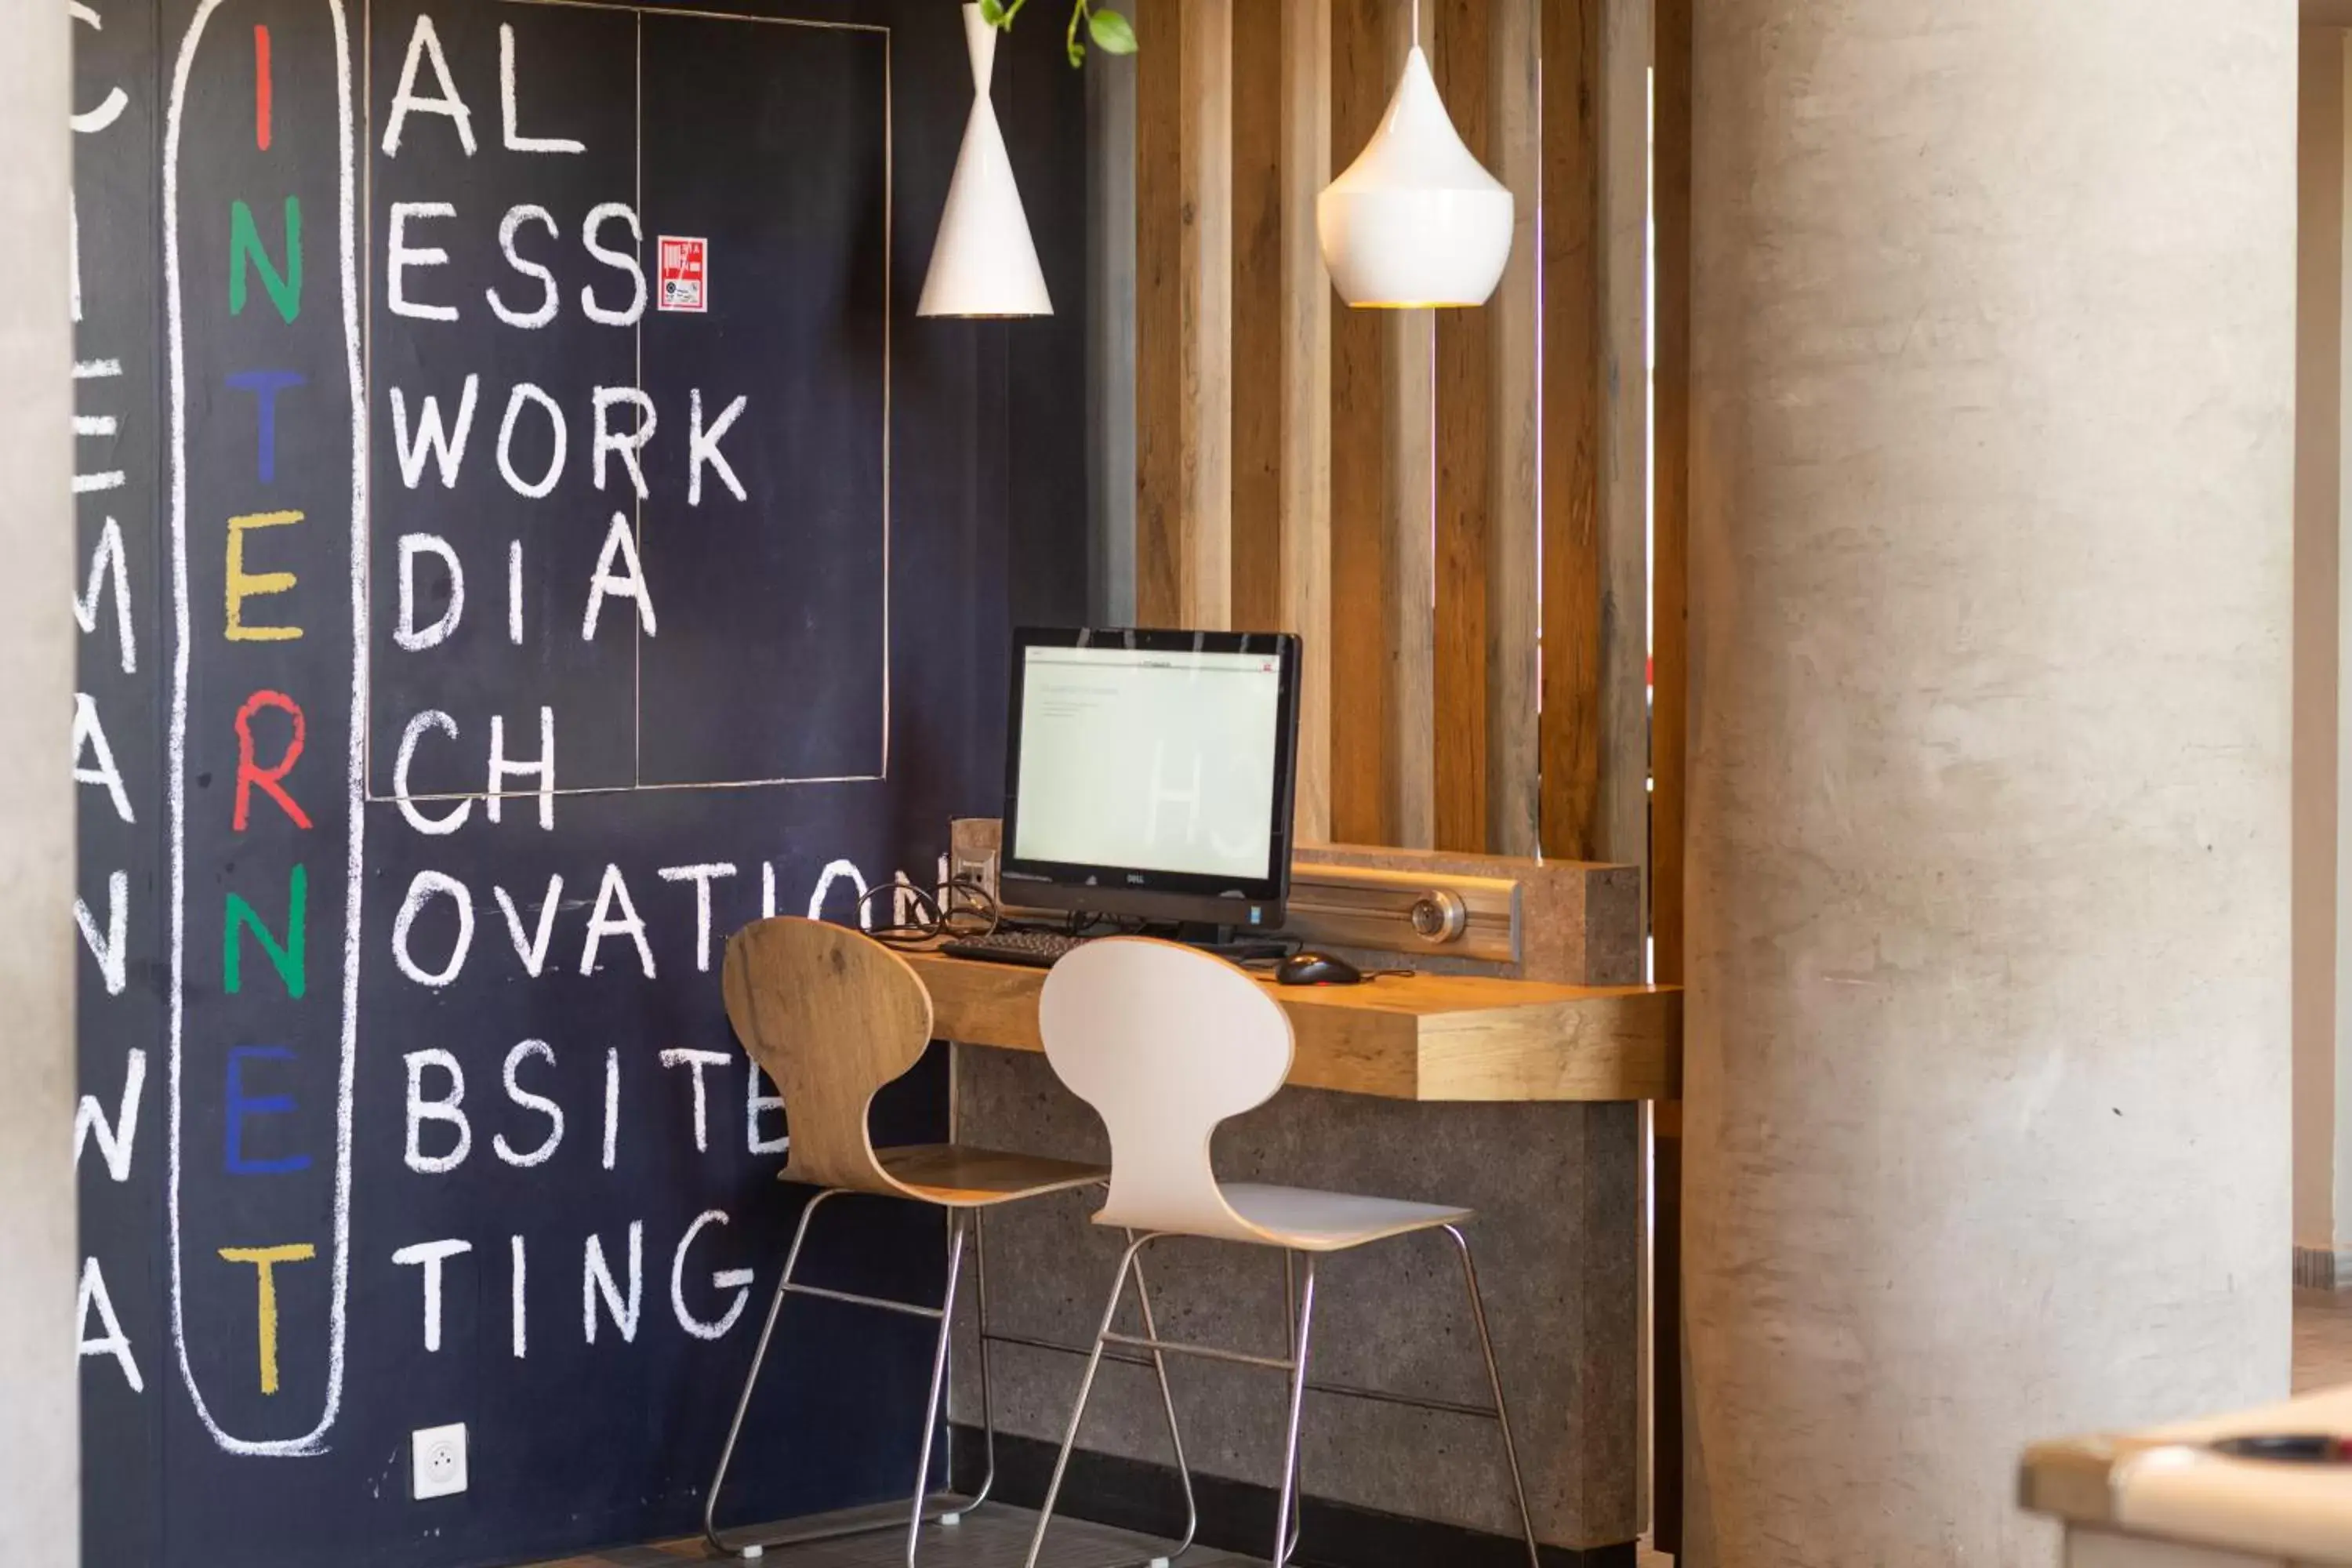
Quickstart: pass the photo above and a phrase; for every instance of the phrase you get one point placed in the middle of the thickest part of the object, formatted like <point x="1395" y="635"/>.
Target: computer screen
<point x="1162" y="757"/>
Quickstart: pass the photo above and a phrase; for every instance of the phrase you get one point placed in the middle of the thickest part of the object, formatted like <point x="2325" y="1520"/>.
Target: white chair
<point x="1166" y="1042"/>
<point x="833" y="1016"/>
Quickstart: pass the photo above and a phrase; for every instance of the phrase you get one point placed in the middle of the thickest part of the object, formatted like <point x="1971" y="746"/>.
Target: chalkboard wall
<point x="473" y="638"/>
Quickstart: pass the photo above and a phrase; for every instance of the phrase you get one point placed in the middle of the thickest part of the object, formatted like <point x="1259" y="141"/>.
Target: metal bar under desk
<point x="1342" y="1390"/>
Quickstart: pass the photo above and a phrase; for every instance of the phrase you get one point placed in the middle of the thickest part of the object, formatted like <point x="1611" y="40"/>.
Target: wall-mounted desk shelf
<point x="1423" y="1036"/>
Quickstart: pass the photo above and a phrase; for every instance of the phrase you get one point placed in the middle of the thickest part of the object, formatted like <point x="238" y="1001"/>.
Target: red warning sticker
<point x="685" y="274"/>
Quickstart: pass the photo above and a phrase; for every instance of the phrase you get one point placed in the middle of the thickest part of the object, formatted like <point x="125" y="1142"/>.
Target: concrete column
<point x="40" y="1454"/>
<point x="1989" y="932"/>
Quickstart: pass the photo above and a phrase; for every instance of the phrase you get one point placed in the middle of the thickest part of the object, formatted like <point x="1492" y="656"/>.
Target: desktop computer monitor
<point x="1148" y="773"/>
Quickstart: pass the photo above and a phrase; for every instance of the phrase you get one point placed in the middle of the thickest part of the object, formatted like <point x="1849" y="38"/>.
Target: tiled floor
<point x="998" y="1538"/>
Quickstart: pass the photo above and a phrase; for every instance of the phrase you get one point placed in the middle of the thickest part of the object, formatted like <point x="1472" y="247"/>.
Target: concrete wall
<point x="1988" y="1026"/>
<point x="38" y="1447"/>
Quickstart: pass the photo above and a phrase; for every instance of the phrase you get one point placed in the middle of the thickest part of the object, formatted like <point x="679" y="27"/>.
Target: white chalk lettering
<point x="450" y="820"/>
<point x="738" y="1280"/>
<point x="433" y="439"/>
<point x="425" y="46"/>
<point x="400" y="255"/>
<point x="596" y="1277"/>
<point x="430" y="1256"/>
<point x="601" y="923"/>
<point x="629" y="443"/>
<point x="115" y="1143"/>
<point x="90" y="735"/>
<point x="509" y="227"/>
<point x="621" y="546"/>
<point x="530" y="1102"/>
<point x="112" y="1340"/>
<point x="106" y="560"/>
<point x="445" y="1110"/>
<point x="516" y="141"/>
<point x="702" y="447"/>
<point x="625" y="261"/>
<point x="425" y="885"/>
<point x="406" y="631"/>
<point x="524" y="392"/>
<point x="532" y="949"/>
<point x="701" y="877"/>
<point x="109" y="951"/>
<point x="543" y="770"/>
<point x="695" y="1061"/>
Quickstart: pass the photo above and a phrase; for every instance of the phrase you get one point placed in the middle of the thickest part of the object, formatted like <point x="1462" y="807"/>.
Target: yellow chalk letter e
<point x="243" y="586"/>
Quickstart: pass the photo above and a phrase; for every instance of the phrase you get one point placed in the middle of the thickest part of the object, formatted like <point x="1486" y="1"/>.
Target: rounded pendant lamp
<point x="983" y="264"/>
<point x="1415" y="221"/>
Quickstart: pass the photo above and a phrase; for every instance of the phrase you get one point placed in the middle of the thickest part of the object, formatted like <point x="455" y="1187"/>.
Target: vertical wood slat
<point x="1594" y="738"/>
<point x="1669" y="720"/>
<point x="1183" y="310"/>
<point x="1258" y="316"/>
<point x="1305" y="491"/>
<point x="1466" y="477"/>
<point x="1514" y="141"/>
<point x="1572" y="429"/>
<point x="1410" y="768"/>
<point x="1624" y="834"/>
<point x="1362" y="541"/>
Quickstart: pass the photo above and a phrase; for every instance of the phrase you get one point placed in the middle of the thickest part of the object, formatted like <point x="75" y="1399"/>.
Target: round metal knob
<point x="1439" y="916"/>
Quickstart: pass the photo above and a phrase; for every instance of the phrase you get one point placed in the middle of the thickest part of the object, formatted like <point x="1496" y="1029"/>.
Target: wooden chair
<point x="831" y="1016"/>
<point x="1166" y="1042"/>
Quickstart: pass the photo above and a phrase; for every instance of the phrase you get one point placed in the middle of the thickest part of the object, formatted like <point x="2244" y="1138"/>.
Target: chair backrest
<point x="1165" y="1042"/>
<point x="830" y="1015"/>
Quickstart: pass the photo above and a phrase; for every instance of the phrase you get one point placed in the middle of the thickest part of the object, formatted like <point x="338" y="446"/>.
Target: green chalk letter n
<point x="287" y="959"/>
<point x="246" y="252"/>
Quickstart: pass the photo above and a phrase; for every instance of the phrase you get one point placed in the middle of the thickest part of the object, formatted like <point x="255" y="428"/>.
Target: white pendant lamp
<point x="982" y="263"/>
<point x="1415" y="220"/>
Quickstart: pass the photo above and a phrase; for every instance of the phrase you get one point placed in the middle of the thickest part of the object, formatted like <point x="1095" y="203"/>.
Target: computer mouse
<point x="1317" y="969"/>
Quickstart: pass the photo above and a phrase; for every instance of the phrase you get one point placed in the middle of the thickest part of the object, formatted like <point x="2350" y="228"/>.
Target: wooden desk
<point x="2159" y="1499"/>
<point x="1423" y="1036"/>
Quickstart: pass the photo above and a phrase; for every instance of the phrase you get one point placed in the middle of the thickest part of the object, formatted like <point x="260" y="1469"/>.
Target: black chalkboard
<point x="337" y="573"/>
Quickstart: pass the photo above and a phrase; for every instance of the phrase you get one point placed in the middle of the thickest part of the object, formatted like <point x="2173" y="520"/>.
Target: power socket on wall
<point x="437" y="1461"/>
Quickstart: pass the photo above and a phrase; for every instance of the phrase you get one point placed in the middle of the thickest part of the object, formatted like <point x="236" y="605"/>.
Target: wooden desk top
<point x="2164" y="1485"/>
<point x="1423" y="1036"/>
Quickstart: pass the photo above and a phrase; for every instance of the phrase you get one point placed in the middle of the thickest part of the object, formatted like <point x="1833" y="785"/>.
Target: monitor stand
<point x="1224" y="941"/>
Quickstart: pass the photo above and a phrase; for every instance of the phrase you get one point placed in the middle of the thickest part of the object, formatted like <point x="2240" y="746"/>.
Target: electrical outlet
<point x="438" y="1460"/>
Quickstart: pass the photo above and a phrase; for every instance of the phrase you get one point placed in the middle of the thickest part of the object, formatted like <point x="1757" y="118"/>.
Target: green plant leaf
<point x="1111" y="32"/>
<point x="992" y="12"/>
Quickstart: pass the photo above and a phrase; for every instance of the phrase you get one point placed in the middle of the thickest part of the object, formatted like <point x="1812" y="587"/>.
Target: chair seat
<point x="957" y="1176"/>
<point x="1310" y="1221"/>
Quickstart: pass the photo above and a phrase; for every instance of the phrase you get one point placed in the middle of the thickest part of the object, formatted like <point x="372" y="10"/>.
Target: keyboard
<point x="1035" y="949"/>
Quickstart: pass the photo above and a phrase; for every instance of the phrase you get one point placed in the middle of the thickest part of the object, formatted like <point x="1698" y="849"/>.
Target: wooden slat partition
<point x="1572" y="429"/>
<point x="1623" y="806"/>
<point x="1514" y="142"/>
<point x="1466" y="391"/>
<point x="1363" y="576"/>
<point x="1306" y="489"/>
<point x="1183" y="310"/>
<point x="1258" y="315"/>
<point x="1669" y="734"/>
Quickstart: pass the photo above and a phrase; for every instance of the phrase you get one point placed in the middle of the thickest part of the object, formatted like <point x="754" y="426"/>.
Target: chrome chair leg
<point x="1285" y="1539"/>
<point x="759" y="1355"/>
<point x="987" y="1392"/>
<point x="1168" y="1403"/>
<point x="1290" y="1349"/>
<point x="1495" y="1380"/>
<point x="1078" y="1410"/>
<point x="939" y="1381"/>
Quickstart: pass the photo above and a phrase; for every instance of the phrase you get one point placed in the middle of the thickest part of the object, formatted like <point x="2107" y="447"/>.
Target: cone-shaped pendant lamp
<point x="982" y="263"/>
<point x="1415" y="220"/>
